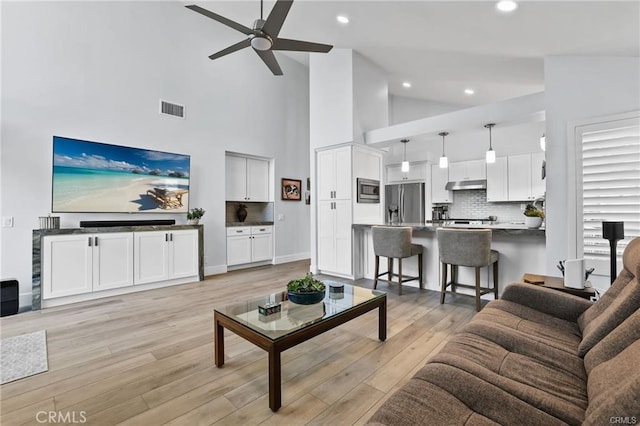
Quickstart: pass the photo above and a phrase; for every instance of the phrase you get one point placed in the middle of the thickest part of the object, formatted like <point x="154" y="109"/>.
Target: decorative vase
<point x="241" y="213"/>
<point x="533" y="222"/>
<point x="194" y="221"/>
<point x="305" y="298"/>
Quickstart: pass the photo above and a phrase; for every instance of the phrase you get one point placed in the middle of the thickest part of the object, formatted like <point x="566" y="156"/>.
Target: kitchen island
<point x="521" y="250"/>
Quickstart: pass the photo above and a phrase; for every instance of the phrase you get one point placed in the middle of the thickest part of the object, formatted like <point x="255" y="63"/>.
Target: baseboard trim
<point x="215" y="270"/>
<point x="291" y="258"/>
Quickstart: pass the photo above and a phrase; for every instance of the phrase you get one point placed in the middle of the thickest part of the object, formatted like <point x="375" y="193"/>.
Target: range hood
<point x="466" y="184"/>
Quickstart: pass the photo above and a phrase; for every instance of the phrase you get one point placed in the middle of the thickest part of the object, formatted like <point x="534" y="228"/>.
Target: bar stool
<point x="394" y="242"/>
<point x="467" y="247"/>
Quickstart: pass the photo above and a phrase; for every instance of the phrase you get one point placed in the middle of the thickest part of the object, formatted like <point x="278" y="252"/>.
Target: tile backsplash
<point x="473" y="204"/>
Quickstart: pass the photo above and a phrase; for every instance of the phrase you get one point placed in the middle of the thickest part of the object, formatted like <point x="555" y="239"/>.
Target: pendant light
<point x="543" y="142"/>
<point x="444" y="161"/>
<point x="491" y="154"/>
<point x="405" y="163"/>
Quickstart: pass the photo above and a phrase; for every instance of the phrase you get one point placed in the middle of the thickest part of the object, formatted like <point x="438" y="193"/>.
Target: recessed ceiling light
<point x="506" y="5"/>
<point x="469" y="91"/>
<point x="342" y="19"/>
<point x="406" y="84"/>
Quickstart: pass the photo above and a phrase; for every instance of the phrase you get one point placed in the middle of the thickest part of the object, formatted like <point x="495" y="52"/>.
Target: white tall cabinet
<point x="337" y="170"/>
<point x="247" y="179"/>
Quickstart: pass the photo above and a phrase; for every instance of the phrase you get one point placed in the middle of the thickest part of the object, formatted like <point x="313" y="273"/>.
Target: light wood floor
<point x="147" y="358"/>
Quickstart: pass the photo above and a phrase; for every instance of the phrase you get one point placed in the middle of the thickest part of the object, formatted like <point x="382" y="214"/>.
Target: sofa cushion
<point x="537" y="325"/>
<point x="619" y="309"/>
<point x="614" y="389"/>
<point x="614" y="343"/>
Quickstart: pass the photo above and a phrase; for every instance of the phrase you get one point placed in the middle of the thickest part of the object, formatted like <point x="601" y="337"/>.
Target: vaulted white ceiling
<point x="443" y="47"/>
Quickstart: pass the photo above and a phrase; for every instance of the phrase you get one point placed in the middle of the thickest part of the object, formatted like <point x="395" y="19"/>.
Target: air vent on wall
<point x="169" y="108"/>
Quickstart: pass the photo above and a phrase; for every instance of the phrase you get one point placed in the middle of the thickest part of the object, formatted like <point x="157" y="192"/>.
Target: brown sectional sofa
<point x="534" y="357"/>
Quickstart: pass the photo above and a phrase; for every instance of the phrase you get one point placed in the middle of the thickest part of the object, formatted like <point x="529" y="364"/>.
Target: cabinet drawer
<point x="261" y="230"/>
<point x="238" y="230"/>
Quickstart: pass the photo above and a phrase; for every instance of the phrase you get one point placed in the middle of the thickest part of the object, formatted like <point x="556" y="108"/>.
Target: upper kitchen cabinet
<point x="247" y="179"/>
<point x="334" y="174"/>
<point x="417" y="173"/>
<point x="467" y="170"/>
<point x="525" y="177"/>
<point x="497" y="180"/>
<point x="439" y="179"/>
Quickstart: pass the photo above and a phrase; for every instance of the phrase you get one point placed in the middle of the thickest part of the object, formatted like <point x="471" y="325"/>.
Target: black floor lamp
<point x="614" y="232"/>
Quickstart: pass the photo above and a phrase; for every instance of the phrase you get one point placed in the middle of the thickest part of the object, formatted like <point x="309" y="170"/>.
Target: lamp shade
<point x="491" y="156"/>
<point x="405" y="166"/>
<point x="444" y="162"/>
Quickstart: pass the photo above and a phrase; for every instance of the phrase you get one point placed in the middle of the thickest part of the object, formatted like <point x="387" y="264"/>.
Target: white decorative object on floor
<point x="23" y="356"/>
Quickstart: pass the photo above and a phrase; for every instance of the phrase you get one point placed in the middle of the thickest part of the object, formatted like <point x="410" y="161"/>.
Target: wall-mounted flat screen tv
<point x="92" y="177"/>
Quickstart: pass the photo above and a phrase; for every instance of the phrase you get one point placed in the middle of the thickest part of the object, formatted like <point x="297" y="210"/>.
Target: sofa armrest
<point x="553" y="302"/>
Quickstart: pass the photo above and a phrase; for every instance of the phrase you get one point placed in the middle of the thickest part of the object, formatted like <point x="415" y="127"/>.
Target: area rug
<point x="23" y="356"/>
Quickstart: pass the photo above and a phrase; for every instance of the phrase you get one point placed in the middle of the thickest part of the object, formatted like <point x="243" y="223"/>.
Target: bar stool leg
<point x="477" y="289"/>
<point x="389" y="268"/>
<point x="400" y="277"/>
<point x="454" y="277"/>
<point x="376" y="273"/>
<point x="495" y="280"/>
<point x="443" y="290"/>
<point x="420" y="270"/>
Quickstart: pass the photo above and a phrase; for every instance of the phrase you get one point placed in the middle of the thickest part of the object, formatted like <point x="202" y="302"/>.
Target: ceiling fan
<point x="264" y="35"/>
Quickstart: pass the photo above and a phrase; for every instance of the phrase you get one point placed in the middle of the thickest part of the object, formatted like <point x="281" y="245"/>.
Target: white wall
<point x="370" y="97"/>
<point x="96" y="70"/>
<point x="403" y="109"/>
<point x="578" y="88"/>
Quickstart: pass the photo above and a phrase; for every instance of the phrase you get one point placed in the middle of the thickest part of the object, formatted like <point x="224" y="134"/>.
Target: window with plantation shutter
<point x="609" y="180"/>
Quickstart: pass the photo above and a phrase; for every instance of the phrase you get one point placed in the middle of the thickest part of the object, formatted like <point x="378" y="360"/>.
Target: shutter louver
<point x="610" y="187"/>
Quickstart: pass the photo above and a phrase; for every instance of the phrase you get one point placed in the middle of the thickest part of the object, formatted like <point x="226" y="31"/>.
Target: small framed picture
<point x="291" y="189"/>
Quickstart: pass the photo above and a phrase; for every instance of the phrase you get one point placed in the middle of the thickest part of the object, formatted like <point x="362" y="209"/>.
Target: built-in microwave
<point x="368" y="191"/>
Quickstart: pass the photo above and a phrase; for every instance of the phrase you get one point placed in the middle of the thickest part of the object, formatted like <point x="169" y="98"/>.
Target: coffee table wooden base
<point x="276" y="347"/>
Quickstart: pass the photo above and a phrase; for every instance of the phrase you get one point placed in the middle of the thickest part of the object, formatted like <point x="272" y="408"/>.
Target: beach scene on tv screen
<point x="103" y="178"/>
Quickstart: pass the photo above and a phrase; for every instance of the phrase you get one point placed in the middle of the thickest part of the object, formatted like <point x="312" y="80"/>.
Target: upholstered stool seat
<point x="467" y="247"/>
<point x="394" y="242"/>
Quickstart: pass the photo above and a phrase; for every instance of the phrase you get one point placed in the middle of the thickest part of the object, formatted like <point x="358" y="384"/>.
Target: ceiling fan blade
<point x="270" y="59"/>
<point x="300" y="46"/>
<point x="276" y="17"/>
<point x="233" y="48"/>
<point x="221" y="19"/>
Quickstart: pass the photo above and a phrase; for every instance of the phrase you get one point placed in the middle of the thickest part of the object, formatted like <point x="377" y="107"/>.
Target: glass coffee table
<point x="294" y="324"/>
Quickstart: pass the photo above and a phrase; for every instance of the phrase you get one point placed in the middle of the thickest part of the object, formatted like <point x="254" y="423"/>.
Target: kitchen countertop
<point x="506" y="228"/>
<point x="230" y="224"/>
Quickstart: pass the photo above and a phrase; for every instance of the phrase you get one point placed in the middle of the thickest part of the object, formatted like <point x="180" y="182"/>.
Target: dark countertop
<point x="140" y="228"/>
<point x="230" y="224"/>
<point x="499" y="228"/>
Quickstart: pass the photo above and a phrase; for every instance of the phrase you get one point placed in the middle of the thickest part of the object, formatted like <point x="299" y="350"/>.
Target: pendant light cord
<point x="489" y="126"/>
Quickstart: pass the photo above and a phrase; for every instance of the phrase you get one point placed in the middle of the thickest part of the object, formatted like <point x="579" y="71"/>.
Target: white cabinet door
<point x="257" y="180"/>
<point x="261" y="247"/>
<point x="343" y="182"/>
<point x="467" y="170"/>
<point x="236" y="178"/>
<point x="238" y="250"/>
<point x="67" y="264"/>
<point x="497" y="180"/>
<point x="395" y="175"/>
<point x="151" y="256"/>
<point x="439" y="179"/>
<point x="326" y="235"/>
<point x="538" y="187"/>
<point x="334" y="174"/>
<point x="326" y="174"/>
<point x="112" y="260"/>
<point x="342" y="237"/>
<point x="183" y="253"/>
<point x="519" y="177"/>
<point x="417" y="173"/>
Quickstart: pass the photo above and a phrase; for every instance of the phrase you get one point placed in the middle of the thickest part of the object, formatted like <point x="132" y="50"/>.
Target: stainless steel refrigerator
<point x="405" y="203"/>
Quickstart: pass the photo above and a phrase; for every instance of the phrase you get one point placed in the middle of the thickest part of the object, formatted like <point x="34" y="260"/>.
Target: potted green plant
<point x="306" y="290"/>
<point x="533" y="216"/>
<point x="194" y="215"/>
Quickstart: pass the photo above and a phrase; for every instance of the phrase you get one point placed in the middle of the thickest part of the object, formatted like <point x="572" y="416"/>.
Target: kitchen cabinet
<point x="248" y="244"/>
<point x="467" y="170"/>
<point x="525" y="179"/>
<point x="77" y="264"/>
<point x="165" y="255"/>
<point x="417" y="173"/>
<point x="334" y="236"/>
<point x="334" y="174"/>
<point x="247" y="179"/>
<point x="497" y="180"/>
<point x="439" y="179"/>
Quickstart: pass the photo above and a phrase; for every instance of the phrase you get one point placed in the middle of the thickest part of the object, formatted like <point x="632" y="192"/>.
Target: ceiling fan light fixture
<point x="404" y="167"/>
<point x="261" y="43"/>
<point x="506" y="5"/>
<point x="491" y="154"/>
